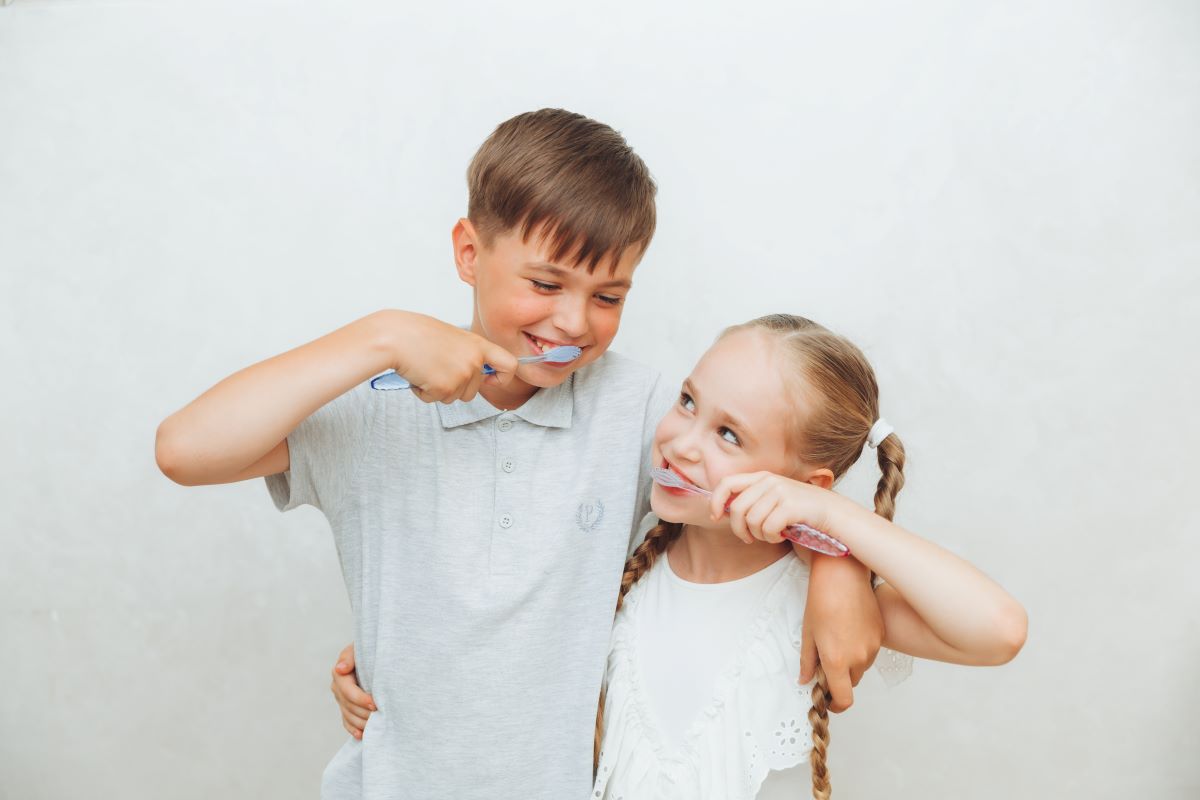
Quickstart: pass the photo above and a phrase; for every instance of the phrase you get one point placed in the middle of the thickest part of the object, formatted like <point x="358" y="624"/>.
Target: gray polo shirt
<point x="482" y="552"/>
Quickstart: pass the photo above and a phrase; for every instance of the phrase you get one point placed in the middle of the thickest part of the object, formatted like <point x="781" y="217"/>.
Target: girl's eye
<point x="609" y="300"/>
<point x="543" y="287"/>
<point x="729" y="435"/>
<point x="686" y="401"/>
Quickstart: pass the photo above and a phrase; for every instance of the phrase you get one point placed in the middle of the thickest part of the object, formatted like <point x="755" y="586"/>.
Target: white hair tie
<point x="879" y="431"/>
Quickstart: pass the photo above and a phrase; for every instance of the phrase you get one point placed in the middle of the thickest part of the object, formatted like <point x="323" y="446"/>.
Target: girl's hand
<point x="762" y="504"/>
<point x="356" y="705"/>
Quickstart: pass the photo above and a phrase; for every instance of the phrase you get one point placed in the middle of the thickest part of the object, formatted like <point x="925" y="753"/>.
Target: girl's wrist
<point x="839" y="516"/>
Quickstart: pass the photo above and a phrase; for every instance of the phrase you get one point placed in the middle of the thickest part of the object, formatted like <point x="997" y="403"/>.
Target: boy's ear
<point x="822" y="478"/>
<point x="466" y="250"/>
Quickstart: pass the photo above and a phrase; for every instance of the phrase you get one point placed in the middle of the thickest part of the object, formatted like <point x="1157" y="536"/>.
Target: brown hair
<point x="573" y="181"/>
<point x="842" y="399"/>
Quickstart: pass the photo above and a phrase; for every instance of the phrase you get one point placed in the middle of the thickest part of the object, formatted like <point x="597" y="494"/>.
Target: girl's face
<point x="733" y="415"/>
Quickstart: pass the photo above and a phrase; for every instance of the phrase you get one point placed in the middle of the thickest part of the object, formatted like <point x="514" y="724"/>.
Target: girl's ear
<point x="822" y="478"/>
<point x="466" y="250"/>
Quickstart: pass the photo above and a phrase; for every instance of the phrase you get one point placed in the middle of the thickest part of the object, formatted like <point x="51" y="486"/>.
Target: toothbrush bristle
<point x="563" y="353"/>
<point x="666" y="477"/>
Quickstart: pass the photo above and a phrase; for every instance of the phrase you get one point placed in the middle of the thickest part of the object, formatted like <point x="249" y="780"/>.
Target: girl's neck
<point x="715" y="555"/>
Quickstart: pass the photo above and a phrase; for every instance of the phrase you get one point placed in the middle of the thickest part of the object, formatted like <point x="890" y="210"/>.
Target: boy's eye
<point x="610" y="300"/>
<point x="686" y="401"/>
<point x="542" y="286"/>
<point x="728" y="435"/>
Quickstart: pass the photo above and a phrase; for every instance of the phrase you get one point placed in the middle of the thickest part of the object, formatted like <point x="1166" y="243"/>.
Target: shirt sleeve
<point x="659" y="400"/>
<point x="324" y="451"/>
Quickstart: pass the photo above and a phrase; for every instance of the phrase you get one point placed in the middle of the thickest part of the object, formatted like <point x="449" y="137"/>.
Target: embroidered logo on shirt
<point x="589" y="515"/>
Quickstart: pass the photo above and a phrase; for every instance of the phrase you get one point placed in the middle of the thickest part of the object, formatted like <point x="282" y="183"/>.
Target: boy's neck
<point x="506" y="398"/>
<point x="715" y="555"/>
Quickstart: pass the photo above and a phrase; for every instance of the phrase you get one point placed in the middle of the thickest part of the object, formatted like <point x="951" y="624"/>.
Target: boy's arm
<point x="843" y="628"/>
<point x="238" y="429"/>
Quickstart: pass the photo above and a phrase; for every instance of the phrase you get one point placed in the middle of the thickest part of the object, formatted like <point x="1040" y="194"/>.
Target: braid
<point x="840" y="409"/>
<point x="891" y="464"/>
<point x="638" y="564"/>
<point x="818" y="720"/>
<point x="643" y="558"/>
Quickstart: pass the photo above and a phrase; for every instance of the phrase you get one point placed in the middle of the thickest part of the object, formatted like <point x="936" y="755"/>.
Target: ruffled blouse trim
<point x="755" y="720"/>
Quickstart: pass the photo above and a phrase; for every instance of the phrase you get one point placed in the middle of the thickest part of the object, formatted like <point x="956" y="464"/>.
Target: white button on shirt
<point x="483" y="599"/>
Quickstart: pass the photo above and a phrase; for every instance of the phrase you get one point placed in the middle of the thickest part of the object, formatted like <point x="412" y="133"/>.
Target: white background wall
<point x="999" y="202"/>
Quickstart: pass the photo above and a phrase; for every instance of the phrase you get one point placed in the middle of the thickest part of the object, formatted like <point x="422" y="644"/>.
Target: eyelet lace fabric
<point x="755" y="721"/>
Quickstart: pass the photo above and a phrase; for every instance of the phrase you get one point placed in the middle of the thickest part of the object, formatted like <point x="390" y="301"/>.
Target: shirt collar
<point x="550" y="408"/>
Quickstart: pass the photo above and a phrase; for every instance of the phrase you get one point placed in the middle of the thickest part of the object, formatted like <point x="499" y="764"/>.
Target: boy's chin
<point x="544" y="378"/>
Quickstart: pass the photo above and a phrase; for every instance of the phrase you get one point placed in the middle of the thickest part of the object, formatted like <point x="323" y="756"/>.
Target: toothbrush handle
<point x="811" y="538"/>
<point x="391" y="381"/>
<point x="814" y="540"/>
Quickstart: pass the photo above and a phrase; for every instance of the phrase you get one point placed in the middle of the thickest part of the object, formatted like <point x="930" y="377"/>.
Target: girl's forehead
<point x="742" y="375"/>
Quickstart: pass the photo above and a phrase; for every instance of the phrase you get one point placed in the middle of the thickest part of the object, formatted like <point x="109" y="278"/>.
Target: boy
<point x="481" y="537"/>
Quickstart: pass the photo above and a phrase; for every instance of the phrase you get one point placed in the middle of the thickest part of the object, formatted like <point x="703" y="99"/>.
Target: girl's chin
<point x="669" y="511"/>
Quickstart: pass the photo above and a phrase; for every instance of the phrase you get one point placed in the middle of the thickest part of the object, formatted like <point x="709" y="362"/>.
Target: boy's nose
<point x="571" y="318"/>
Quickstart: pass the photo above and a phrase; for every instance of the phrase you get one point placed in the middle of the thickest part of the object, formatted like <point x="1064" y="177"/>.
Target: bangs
<point x="567" y="182"/>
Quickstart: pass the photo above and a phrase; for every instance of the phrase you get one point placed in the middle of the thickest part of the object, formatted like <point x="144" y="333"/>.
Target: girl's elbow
<point x="1011" y="630"/>
<point x="168" y="455"/>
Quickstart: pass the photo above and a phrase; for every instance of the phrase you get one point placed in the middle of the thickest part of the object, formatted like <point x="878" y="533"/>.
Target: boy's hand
<point x="444" y="363"/>
<point x="356" y="704"/>
<point x="843" y="628"/>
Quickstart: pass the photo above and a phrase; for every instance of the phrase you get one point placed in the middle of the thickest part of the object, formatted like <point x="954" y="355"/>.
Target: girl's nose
<point x="687" y="445"/>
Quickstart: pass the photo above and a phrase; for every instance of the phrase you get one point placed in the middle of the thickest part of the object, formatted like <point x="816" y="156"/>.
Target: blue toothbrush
<point x="562" y="354"/>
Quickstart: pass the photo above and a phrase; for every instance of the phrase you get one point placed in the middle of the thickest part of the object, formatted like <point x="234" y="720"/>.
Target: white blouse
<point x="702" y="700"/>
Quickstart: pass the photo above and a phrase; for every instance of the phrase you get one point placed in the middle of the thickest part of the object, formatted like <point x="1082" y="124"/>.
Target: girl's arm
<point x="935" y="605"/>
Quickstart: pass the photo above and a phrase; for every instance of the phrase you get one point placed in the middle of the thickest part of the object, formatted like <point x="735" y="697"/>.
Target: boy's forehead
<point x="537" y="250"/>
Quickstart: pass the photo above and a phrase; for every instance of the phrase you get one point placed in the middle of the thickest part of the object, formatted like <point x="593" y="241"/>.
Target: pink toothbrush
<point x="798" y="532"/>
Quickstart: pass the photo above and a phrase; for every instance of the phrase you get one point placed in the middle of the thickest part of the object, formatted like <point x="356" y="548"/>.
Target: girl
<point x="701" y="700"/>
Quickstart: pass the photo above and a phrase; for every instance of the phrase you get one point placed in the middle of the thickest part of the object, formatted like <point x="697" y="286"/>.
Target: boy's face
<point x="528" y="304"/>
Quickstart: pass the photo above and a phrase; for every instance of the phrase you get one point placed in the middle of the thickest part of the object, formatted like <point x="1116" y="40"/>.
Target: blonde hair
<point x="842" y="403"/>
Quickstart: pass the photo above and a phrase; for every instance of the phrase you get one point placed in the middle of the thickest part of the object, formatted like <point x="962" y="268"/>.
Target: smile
<point x="540" y="346"/>
<point x="674" y="490"/>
